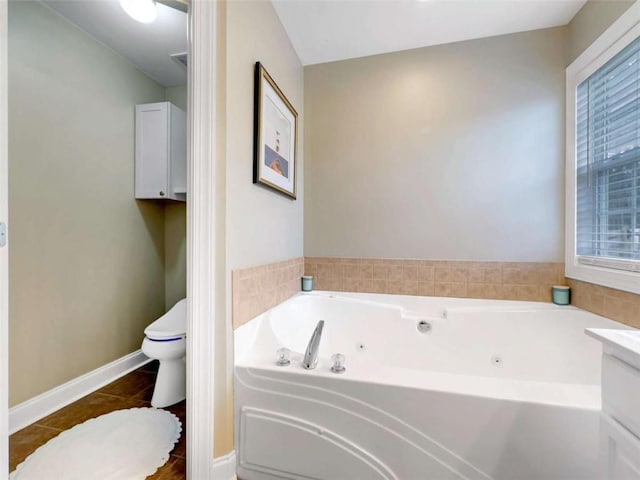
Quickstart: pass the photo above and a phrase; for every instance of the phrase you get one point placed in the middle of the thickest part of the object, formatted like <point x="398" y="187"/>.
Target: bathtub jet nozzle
<point x="311" y="355"/>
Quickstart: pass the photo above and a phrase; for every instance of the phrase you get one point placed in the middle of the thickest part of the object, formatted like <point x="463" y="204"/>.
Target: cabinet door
<point x="620" y="392"/>
<point x="152" y="127"/>
<point x="623" y="450"/>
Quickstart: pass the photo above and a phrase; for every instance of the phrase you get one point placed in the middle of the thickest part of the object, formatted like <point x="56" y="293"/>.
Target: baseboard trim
<point x="224" y="468"/>
<point x="34" y="409"/>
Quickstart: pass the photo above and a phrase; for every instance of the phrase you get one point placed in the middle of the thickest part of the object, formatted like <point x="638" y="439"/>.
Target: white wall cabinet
<point x="161" y="152"/>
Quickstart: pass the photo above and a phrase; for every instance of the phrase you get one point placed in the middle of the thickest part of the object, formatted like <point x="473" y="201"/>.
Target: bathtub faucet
<point x="311" y="355"/>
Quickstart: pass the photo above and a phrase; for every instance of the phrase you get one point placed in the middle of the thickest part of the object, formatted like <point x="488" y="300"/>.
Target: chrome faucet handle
<point x="310" y="359"/>
<point x="283" y="357"/>
<point x="337" y="363"/>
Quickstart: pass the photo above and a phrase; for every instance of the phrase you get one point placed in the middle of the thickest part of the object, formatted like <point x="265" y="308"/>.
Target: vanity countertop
<point x="621" y="342"/>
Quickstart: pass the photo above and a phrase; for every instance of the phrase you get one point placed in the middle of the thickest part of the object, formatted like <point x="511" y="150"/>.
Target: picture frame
<point x="275" y="136"/>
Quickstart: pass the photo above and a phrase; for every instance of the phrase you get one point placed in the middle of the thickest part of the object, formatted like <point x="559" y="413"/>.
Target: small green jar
<point x="307" y="283"/>
<point x="561" y="295"/>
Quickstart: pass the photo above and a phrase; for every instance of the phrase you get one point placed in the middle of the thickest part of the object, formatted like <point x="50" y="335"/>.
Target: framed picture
<point x="275" y="136"/>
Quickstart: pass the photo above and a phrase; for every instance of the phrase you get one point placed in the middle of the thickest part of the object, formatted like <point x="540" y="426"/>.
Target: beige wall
<point x="448" y="152"/>
<point x="86" y="264"/>
<point x="177" y="96"/>
<point x="175" y="227"/>
<point x="591" y="21"/>
<point x="175" y="253"/>
<point x="261" y="225"/>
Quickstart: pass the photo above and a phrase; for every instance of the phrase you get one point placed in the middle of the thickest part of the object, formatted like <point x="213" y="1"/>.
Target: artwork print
<point x="275" y="136"/>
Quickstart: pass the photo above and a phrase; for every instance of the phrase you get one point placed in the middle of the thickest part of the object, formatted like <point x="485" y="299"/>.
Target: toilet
<point x="165" y="340"/>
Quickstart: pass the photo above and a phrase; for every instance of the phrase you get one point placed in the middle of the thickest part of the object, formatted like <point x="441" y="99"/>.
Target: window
<point x="603" y="159"/>
<point x="608" y="159"/>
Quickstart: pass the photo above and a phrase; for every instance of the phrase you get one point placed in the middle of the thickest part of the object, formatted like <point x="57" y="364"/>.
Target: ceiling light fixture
<point x="144" y="11"/>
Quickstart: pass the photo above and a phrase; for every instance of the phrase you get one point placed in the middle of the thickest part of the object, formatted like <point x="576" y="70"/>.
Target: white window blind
<point x="608" y="161"/>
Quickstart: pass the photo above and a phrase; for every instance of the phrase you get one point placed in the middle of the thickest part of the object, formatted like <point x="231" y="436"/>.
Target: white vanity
<point x="620" y="426"/>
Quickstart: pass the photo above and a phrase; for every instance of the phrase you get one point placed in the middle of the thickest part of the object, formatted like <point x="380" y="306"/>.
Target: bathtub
<point x="491" y="390"/>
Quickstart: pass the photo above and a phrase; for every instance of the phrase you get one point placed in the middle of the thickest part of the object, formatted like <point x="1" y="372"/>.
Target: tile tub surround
<point x="440" y="278"/>
<point x="617" y="305"/>
<point x="256" y="290"/>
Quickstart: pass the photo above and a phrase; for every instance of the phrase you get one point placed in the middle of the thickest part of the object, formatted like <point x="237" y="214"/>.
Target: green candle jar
<point x="561" y="295"/>
<point x="307" y="283"/>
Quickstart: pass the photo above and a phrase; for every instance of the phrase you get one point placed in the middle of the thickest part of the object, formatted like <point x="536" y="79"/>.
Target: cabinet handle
<point x="161" y="193"/>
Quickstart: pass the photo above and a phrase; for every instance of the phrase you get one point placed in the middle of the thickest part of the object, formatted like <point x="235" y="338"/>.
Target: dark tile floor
<point x="132" y="390"/>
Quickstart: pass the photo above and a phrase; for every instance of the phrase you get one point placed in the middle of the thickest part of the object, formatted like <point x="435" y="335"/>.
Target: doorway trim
<point x="201" y="223"/>
<point x="4" y="251"/>
<point x="201" y="238"/>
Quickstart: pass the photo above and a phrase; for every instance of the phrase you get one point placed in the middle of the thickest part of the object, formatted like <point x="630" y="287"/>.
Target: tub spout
<point x="311" y="355"/>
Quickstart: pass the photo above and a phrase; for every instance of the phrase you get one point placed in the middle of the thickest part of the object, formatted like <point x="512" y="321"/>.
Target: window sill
<point x="627" y="281"/>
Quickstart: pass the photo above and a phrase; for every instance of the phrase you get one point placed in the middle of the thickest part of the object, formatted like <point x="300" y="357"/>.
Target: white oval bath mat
<point x="122" y="445"/>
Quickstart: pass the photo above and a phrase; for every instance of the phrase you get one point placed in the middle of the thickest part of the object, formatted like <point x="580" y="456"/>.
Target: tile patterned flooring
<point x="132" y="390"/>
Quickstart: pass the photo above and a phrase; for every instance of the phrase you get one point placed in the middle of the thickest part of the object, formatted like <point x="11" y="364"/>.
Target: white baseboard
<point x="224" y="468"/>
<point x="38" y="407"/>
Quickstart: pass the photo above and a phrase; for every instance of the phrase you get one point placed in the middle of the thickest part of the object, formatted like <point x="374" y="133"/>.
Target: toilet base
<point x="171" y="383"/>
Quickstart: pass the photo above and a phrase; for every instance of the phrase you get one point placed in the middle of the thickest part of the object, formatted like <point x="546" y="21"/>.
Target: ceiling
<point x="330" y="30"/>
<point x="321" y="30"/>
<point x="148" y="46"/>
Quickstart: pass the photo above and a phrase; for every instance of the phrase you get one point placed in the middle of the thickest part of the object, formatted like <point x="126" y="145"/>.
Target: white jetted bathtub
<point x="494" y="390"/>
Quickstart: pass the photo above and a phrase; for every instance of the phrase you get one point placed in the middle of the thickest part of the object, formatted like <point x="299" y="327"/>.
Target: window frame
<point x="603" y="271"/>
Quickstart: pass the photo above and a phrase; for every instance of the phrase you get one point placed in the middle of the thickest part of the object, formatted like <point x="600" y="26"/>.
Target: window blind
<point x="608" y="161"/>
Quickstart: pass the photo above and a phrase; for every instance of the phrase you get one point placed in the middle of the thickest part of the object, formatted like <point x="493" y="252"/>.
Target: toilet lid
<point x="172" y="324"/>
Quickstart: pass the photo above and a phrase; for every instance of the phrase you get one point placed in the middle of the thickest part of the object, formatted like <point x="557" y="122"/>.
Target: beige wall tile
<point x="366" y="270"/>
<point x="426" y="288"/>
<point x="476" y="290"/>
<point x="544" y="293"/>
<point x="528" y="292"/>
<point x="425" y="273"/>
<point x="442" y="273"/>
<point x="395" y="273"/>
<point x="335" y="284"/>
<point x="352" y="284"/>
<point x="413" y="262"/>
<point x="511" y="275"/>
<point x="337" y="270"/>
<point x="377" y="261"/>
<point x="394" y="287"/>
<point x="410" y="287"/>
<point x="498" y="280"/>
<point x="459" y="274"/>
<point x="494" y="291"/>
<point x="379" y="286"/>
<point x="257" y="289"/>
<point x="615" y="304"/>
<point x="331" y="260"/>
<point x="410" y="273"/>
<point x="493" y="274"/>
<point x="549" y="274"/>
<point x="450" y="289"/>
<point x="380" y="272"/>
<point x="351" y="270"/>
<point x="475" y="275"/>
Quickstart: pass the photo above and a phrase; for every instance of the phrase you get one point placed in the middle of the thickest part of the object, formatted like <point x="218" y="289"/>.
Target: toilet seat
<point x="171" y="326"/>
<point x="166" y="341"/>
